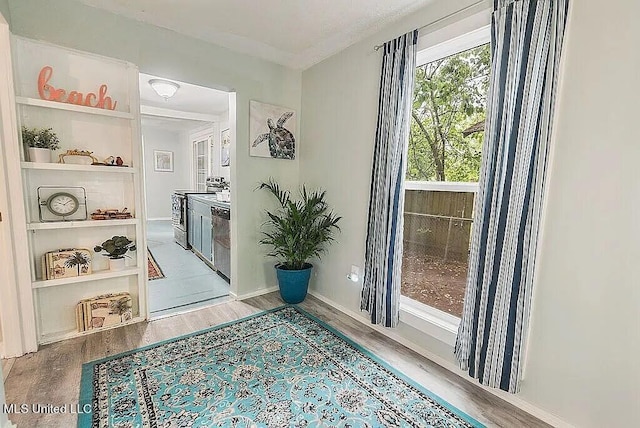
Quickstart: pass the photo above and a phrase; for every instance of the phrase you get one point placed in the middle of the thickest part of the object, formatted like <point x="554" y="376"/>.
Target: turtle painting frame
<point x="272" y="131"/>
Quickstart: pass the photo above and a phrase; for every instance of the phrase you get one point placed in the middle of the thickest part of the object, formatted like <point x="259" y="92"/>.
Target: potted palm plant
<point x="296" y="232"/>
<point x="116" y="249"/>
<point x="40" y="143"/>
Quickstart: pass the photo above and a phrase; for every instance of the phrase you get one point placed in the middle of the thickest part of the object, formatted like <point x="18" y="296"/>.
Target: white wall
<point x="585" y="341"/>
<point x="160" y="185"/>
<point x="163" y="52"/>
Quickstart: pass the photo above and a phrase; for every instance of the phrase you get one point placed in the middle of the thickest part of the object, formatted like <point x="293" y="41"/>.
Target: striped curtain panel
<point x="526" y="43"/>
<point x="383" y="256"/>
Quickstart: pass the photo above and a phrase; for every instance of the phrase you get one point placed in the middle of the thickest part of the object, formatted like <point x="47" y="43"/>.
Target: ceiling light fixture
<point x="165" y="88"/>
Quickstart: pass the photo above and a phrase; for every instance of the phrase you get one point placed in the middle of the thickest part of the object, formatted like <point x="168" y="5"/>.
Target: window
<point x="443" y="163"/>
<point x="201" y="151"/>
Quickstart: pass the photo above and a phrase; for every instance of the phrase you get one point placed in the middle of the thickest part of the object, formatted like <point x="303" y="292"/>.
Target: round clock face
<point x="63" y="204"/>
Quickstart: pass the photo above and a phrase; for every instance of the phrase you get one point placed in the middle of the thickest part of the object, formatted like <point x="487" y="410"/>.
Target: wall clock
<point x="62" y="203"/>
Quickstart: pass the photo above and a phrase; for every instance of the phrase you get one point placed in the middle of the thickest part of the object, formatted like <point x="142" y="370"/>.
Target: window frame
<point x="465" y="34"/>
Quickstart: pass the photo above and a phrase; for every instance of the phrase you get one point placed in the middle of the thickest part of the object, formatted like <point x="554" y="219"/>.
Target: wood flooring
<point x="52" y="375"/>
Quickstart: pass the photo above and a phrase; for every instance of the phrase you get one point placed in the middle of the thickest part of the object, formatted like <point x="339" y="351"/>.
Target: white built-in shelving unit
<point x="105" y="133"/>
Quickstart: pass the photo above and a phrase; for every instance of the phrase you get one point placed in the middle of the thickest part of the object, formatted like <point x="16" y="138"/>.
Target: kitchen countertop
<point x="210" y="199"/>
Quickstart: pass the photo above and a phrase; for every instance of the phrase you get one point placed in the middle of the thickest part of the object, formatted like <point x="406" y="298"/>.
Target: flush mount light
<point x="165" y="88"/>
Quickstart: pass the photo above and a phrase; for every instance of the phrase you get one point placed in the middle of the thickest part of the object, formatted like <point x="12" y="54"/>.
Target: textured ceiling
<point x="295" y="33"/>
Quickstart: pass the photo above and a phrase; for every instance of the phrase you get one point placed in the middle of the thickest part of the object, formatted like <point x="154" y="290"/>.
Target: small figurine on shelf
<point x="112" y="161"/>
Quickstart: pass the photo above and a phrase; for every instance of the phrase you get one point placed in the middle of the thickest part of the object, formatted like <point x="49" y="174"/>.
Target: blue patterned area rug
<point x="280" y="368"/>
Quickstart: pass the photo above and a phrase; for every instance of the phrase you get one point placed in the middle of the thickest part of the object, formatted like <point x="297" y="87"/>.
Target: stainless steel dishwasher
<point x="221" y="240"/>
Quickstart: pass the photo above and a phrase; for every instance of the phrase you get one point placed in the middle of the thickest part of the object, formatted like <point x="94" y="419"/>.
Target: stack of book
<point x="103" y="311"/>
<point x="111" y="214"/>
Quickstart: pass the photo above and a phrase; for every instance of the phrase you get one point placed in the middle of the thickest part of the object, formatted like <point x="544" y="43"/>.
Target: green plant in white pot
<point x="40" y="143"/>
<point x="116" y="249"/>
<point x="296" y="232"/>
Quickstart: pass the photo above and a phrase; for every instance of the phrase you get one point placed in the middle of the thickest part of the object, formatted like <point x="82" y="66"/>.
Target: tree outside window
<point x="449" y="109"/>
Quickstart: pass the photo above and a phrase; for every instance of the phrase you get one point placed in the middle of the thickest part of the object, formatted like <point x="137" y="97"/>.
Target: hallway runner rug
<point x="279" y="368"/>
<point x="153" y="270"/>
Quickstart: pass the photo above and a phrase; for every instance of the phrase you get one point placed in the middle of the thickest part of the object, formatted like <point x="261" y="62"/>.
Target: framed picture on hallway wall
<point x="162" y="161"/>
<point x="225" y="144"/>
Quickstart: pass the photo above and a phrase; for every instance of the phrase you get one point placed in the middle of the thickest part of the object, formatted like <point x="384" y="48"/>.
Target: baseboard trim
<point x="255" y="293"/>
<point x="509" y="398"/>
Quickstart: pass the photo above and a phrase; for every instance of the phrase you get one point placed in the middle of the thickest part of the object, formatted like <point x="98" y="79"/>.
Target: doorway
<point x="183" y="138"/>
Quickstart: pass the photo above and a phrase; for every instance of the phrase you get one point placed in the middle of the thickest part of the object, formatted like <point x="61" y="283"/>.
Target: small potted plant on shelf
<point x="298" y="231"/>
<point x="41" y="142"/>
<point x="116" y="249"/>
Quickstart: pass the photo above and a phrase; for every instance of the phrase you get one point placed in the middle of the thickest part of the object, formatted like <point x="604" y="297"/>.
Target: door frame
<point x="19" y="335"/>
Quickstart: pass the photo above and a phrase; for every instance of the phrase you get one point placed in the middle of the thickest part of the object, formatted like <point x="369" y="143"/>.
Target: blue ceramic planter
<point x="294" y="283"/>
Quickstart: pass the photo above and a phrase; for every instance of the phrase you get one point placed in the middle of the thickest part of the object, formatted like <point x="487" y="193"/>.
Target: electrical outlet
<point x="355" y="274"/>
<point x="355" y="270"/>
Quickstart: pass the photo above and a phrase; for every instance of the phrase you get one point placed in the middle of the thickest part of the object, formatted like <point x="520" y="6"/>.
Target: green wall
<point x="4" y="10"/>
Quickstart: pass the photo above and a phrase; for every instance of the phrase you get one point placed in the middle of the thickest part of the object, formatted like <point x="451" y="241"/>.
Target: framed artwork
<point x="225" y="144"/>
<point x="272" y="131"/>
<point x="162" y="161"/>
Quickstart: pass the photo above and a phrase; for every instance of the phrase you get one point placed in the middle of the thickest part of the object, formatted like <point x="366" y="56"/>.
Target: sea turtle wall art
<point x="272" y="131"/>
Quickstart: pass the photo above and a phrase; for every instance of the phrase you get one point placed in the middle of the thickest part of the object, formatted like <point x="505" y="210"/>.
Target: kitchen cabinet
<point x="191" y="226"/>
<point x="206" y="238"/>
<point x="199" y="228"/>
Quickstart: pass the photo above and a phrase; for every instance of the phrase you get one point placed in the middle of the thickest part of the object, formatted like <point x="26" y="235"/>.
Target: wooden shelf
<point x="55" y="337"/>
<point x="80" y="224"/>
<point x="74" y="167"/>
<point x="73" y="107"/>
<point x="105" y="274"/>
